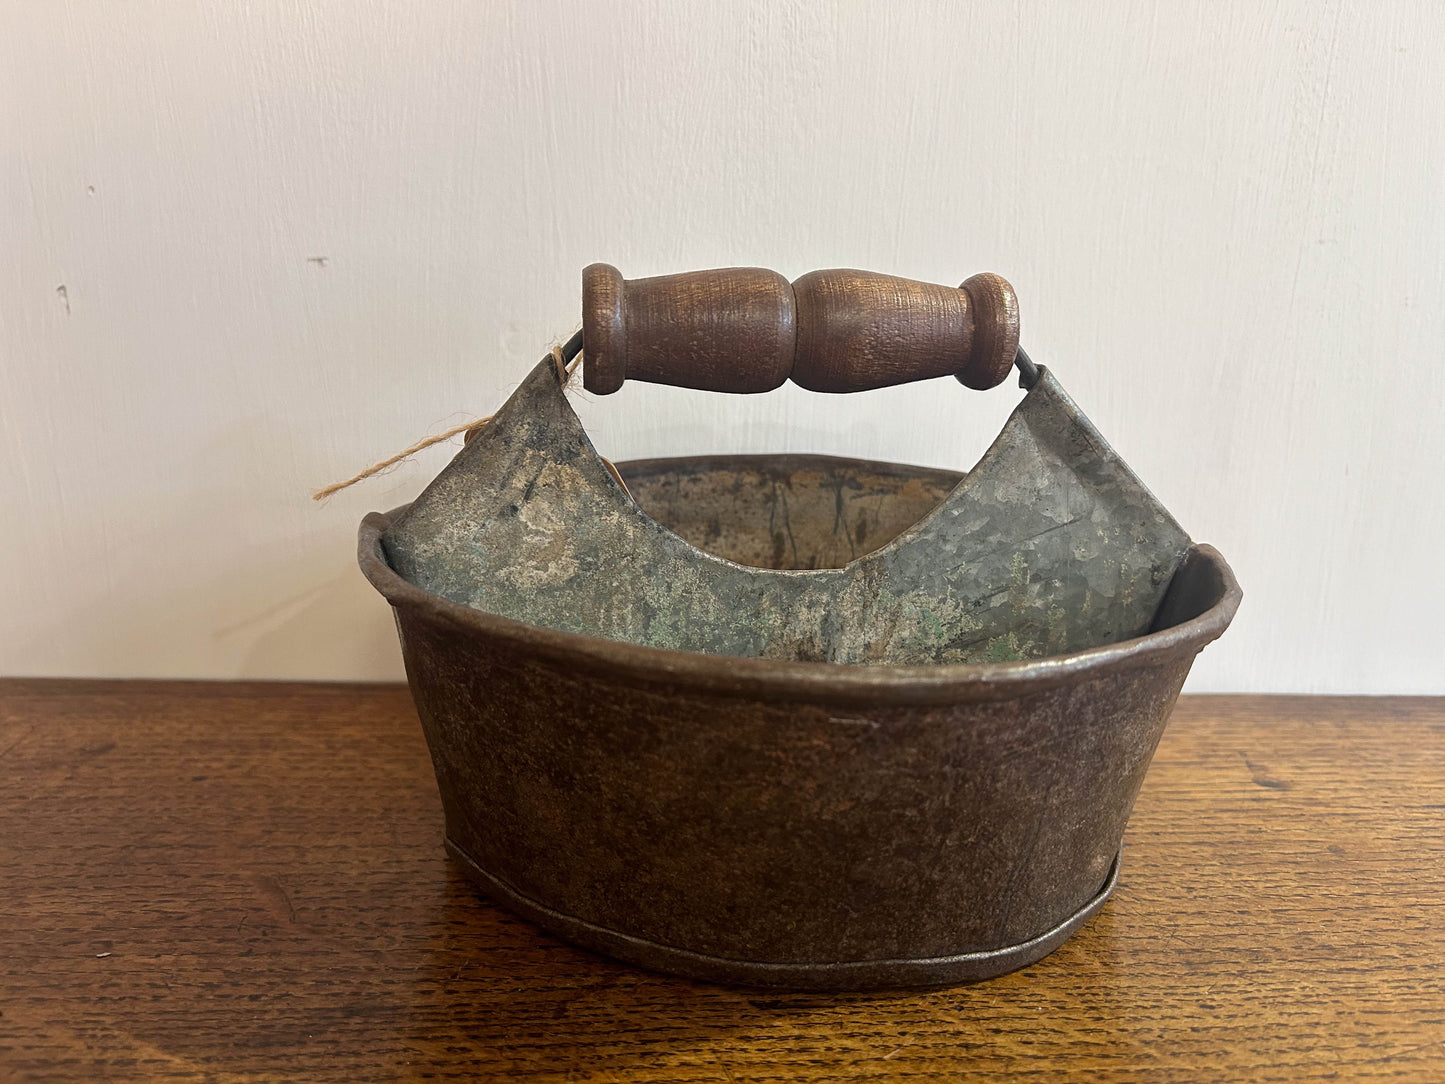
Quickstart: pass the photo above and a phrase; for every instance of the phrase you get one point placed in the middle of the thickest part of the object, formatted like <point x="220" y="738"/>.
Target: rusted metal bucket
<point x="669" y="730"/>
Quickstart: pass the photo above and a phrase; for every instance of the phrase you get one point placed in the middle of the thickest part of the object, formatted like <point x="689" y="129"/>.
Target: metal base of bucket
<point x="841" y="975"/>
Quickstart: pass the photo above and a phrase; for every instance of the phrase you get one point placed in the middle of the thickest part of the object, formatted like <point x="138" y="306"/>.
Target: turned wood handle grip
<point x="747" y="329"/>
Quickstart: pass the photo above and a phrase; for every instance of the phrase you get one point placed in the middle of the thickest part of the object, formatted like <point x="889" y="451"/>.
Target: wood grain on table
<point x="237" y="882"/>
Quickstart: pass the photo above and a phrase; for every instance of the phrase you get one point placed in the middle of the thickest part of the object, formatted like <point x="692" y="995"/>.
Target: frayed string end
<point x="470" y="429"/>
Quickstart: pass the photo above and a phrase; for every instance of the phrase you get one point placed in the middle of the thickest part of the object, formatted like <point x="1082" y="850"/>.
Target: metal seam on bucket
<point x="844" y="974"/>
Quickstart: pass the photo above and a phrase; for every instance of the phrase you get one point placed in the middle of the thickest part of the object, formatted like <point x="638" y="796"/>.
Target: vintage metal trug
<point x="794" y="720"/>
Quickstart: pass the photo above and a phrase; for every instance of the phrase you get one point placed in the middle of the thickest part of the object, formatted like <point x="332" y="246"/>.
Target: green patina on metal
<point x="1050" y="545"/>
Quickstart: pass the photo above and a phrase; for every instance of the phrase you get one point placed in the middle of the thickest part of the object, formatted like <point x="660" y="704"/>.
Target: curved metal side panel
<point x="1049" y="545"/>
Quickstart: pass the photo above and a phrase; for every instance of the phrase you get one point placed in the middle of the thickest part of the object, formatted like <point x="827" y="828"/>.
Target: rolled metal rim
<point x="806" y="681"/>
<point x="839" y="975"/>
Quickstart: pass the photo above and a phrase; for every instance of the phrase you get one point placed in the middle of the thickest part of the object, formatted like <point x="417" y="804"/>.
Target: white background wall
<point x="294" y="237"/>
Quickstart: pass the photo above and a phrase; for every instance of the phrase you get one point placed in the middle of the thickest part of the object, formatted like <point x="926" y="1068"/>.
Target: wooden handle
<point x="746" y="329"/>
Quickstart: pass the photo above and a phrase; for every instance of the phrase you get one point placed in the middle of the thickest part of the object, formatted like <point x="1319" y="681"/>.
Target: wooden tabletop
<point x="247" y="882"/>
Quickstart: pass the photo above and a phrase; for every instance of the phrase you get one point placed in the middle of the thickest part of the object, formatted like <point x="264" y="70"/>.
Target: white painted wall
<point x="294" y="237"/>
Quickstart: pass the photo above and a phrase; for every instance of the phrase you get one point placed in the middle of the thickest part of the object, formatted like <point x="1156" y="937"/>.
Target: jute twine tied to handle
<point x="564" y="374"/>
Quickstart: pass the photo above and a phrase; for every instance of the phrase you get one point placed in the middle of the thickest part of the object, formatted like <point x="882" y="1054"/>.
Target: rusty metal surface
<point x="648" y="748"/>
<point x="1050" y="545"/>
<point x="789" y="823"/>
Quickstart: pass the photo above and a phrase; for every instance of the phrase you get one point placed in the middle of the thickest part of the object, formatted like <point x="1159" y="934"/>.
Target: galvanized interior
<point x="786" y="511"/>
<point x="1049" y="545"/>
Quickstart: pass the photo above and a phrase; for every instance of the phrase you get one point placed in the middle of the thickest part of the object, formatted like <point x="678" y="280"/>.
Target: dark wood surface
<point x="746" y="329"/>
<point x="247" y="882"/>
<point x="730" y="330"/>
<point x="859" y="330"/>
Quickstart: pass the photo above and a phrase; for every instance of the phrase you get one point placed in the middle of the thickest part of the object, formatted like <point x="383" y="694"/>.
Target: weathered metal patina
<point x="653" y="750"/>
<point x="1050" y="545"/>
